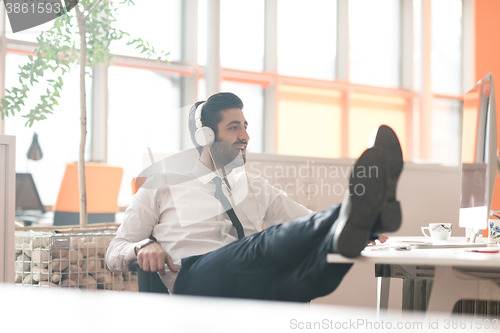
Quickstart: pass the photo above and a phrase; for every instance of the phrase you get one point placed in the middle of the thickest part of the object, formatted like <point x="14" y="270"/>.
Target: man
<point x="206" y="224"/>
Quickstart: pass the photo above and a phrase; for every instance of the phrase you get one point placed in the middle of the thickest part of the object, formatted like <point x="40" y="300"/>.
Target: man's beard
<point x="226" y="155"/>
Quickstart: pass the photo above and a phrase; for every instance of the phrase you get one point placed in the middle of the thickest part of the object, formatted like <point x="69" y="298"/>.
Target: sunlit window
<point x="309" y="121"/>
<point x="417" y="45"/>
<point x="156" y="22"/>
<point x="446" y="46"/>
<point x="374" y="42"/>
<point x="202" y="90"/>
<point x="447" y="131"/>
<point x="202" y="32"/>
<point x="367" y="112"/>
<point x="307" y="38"/>
<point x="242" y="34"/>
<point x="314" y="111"/>
<point x="58" y="135"/>
<point x="144" y="111"/>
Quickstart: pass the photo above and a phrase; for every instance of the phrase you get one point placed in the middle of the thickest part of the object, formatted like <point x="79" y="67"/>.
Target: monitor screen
<point x="479" y="155"/>
<point x="27" y="197"/>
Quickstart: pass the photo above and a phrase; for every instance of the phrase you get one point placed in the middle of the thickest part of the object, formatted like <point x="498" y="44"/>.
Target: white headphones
<point x="204" y="135"/>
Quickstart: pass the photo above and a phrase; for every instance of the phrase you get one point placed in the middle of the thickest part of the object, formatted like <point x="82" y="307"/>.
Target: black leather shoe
<point x="390" y="212"/>
<point x="361" y="207"/>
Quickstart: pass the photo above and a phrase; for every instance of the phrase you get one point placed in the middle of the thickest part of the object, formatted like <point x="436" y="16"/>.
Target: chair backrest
<point x="103" y="186"/>
<point x="137" y="183"/>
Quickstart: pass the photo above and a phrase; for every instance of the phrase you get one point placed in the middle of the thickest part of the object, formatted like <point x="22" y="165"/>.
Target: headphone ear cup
<point x="204" y="136"/>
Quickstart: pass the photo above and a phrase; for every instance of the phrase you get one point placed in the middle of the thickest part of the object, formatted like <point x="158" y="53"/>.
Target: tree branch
<point x="88" y="6"/>
<point x="92" y="9"/>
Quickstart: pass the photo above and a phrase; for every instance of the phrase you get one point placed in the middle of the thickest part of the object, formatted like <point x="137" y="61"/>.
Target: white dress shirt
<point x="182" y="213"/>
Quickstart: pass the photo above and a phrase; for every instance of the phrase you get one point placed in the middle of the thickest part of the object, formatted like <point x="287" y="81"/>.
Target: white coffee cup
<point x="438" y="231"/>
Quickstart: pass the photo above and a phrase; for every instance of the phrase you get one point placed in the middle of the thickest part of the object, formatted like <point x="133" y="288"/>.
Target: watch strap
<point x="142" y="245"/>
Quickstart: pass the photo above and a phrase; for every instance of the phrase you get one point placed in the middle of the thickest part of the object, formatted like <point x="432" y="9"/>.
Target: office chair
<point x="103" y="185"/>
<point x="147" y="281"/>
<point x="137" y="183"/>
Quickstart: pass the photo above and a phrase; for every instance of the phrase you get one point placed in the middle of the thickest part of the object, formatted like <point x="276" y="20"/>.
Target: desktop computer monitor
<point x="27" y="198"/>
<point x="479" y="155"/>
<point x="29" y="207"/>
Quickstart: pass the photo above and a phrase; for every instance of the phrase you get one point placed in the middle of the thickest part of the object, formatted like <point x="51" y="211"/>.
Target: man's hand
<point x="153" y="257"/>
<point x="382" y="239"/>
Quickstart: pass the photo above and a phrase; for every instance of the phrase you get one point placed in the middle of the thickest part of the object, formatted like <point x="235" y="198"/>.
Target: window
<point x="447" y="131"/>
<point x="331" y="86"/>
<point x="417" y="44"/>
<point x="368" y="112"/>
<point x="58" y="135"/>
<point x="156" y="22"/>
<point x="202" y="32"/>
<point x="309" y="121"/>
<point x="242" y="35"/>
<point x="445" y="83"/>
<point x="144" y="111"/>
<point x="307" y="38"/>
<point x="446" y="47"/>
<point x="374" y="42"/>
<point x="202" y="90"/>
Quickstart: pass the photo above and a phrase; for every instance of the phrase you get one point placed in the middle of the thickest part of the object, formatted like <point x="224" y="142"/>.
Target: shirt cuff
<point x="130" y="254"/>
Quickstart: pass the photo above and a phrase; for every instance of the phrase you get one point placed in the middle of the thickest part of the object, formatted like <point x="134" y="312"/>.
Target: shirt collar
<point x="205" y="175"/>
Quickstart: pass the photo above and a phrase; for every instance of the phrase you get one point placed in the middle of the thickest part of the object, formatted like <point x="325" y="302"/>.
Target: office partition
<point x="7" y="206"/>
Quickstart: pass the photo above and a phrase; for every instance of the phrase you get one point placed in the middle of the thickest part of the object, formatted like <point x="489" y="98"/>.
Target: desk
<point x="457" y="275"/>
<point x="97" y="311"/>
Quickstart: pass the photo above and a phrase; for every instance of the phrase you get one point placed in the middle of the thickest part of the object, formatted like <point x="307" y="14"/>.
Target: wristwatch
<point x="142" y="244"/>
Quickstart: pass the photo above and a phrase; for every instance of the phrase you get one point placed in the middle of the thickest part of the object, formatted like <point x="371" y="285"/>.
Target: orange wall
<point x="487" y="53"/>
<point x="487" y="36"/>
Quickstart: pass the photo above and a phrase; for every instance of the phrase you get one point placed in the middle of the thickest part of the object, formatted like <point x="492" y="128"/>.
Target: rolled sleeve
<point x="139" y="221"/>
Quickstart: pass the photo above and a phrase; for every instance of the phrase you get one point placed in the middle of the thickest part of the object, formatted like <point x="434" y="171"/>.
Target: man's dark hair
<point x="211" y="114"/>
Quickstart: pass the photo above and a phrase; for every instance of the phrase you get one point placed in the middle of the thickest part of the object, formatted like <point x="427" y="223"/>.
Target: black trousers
<point x="285" y="262"/>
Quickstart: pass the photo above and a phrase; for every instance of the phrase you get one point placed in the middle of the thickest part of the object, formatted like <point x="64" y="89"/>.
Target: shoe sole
<point x="390" y="212"/>
<point x="366" y="194"/>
